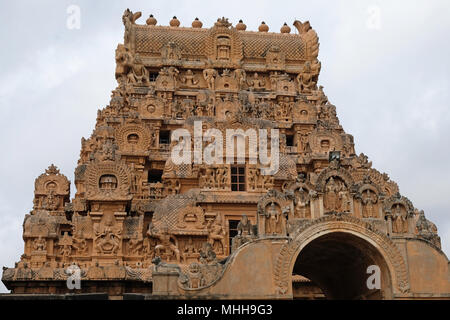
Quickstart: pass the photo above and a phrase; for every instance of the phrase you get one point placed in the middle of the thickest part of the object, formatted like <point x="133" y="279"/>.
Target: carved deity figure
<point x="307" y="78"/>
<point x="80" y="245"/>
<point x="302" y="205"/>
<point x="107" y="236"/>
<point x="244" y="227"/>
<point x="189" y="78"/>
<point x="165" y="242"/>
<point x="135" y="246"/>
<point x="256" y="83"/>
<point x="304" y="142"/>
<point x="108" y="150"/>
<point x="189" y="247"/>
<point x="50" y="201"/>
<point x="331" y="197"/>
<point x="124" y="60"/>
<point x="399" y="220"/>
<point x="138" y="73"/>
<point x="344" y="199"/>
<point x="210" y="78"/>
<point x="337" y="197"/>
<point x="369" y="200"/>
<point x="272" y="219"/>
<point x="240" y="77"/>
<point x="173" y="73"/>
<point x="39" y="244"/>
<point x="216" y="233"/>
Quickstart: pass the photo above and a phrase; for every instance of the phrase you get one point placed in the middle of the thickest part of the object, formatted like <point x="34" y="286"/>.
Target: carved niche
<point x="399" y="212"/>
<point x="275" y="59"/>
<point x="151" y="107"/>
<point x="223" y="45"/>
<point x="336" y="186"/>
<point x="370" y="198"/>
<point x="133" y="138"/>
<point x="191" y="217"/>
<point x="226" y="82"/>
<point x="305" y="112"/>
<point x="324" y="141"/>
<point x="51" y="190"/>
<point x="82" y="233"/>
<point x="107" y="181"/>
<point x="336" y="196"/>
<point x="274" y="211"/>
<point x="363" y="171"/>
<point x="167" y="79"/>
<point x="226" y="108"/>
<point x="303" y="200"/>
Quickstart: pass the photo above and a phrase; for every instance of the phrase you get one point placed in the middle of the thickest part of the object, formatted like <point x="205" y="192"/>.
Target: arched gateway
<point x="335" y="252"/>
<point x="145" y="222"/>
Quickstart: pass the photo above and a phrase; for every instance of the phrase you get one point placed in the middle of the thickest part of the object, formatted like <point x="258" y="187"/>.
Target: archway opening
<point x="338" y="264"/>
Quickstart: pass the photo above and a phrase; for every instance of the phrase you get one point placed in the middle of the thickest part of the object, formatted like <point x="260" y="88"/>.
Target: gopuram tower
<point x="322" y="224"/>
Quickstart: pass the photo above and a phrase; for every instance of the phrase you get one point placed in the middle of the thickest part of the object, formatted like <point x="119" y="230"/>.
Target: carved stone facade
<point x="138" y="220"/>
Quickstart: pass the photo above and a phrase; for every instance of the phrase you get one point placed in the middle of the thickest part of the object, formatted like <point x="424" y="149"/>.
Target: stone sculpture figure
<point x="241" y="78"/>
<point x="306" y="79"/>
<point x="165" y="242"/>
<point x="369" y="200"/>
<point x="302" y="206"/>
<point x="273" y="218"/>
<point x="39" y="244"/>
<point x="210" y="78"/>
<point x="256" y="83"/>
<point x="138" y="74"/>
<point x="399" y="224"/>
<point x="107" y="237"/>
<point x="216" y="233"/>
<point x="331" y="197"/>
<point x="189" y="78"/>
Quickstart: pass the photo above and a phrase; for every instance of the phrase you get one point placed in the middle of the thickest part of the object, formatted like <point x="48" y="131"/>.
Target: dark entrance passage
<point x="337" y="263"/>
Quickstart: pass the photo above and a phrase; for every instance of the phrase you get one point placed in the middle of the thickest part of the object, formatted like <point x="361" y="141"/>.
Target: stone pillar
<point x="165" y="282"/>
<point x="321" y="210"/>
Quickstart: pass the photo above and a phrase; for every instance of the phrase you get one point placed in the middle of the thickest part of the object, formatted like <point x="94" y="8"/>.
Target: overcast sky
<point x="385" y="65"/>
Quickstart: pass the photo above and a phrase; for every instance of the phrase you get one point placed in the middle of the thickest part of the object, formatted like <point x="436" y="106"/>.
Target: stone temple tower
<point x="315" y="221"/>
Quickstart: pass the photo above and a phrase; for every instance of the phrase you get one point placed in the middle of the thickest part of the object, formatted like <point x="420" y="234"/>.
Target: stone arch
<point x="398" y="199"/>
<point x="334" y="172"/>
<point x="96" y="170"/>
<point x="305" y="235"/>
<point x="142" y="134"/>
